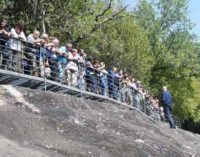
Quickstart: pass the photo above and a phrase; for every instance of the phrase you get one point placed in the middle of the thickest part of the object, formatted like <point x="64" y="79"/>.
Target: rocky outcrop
<point x="34" y="123"/>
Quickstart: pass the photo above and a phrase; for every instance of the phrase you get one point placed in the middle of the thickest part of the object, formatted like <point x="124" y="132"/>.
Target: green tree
<point x="172" y="48"/>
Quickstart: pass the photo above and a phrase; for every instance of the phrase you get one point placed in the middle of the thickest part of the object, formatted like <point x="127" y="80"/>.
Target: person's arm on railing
<point x="4" y="32"/>
<point x="35" y="41"/>
<point x="72" y="58"/>
<point x="58" y="52"/>
<point x="19" y="36"/>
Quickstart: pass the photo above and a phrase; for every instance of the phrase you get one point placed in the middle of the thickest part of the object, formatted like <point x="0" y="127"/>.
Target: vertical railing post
<point x="81" y="79"/>
<point x="42" y="56"/>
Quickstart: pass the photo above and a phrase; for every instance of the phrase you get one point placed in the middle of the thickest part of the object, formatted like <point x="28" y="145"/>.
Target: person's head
<point x="114" y="69"/>
<point x="164" y="88"/>
<point x="125" y="75"/>
<point x="120" y="72"/>
<point x="133" y="79"/>
<point x="69" y="46"/>
<point x="45" y="37"/>
<point x="4" y="23"/>
<point x="74" y="52"/>
<point x="82" y="53"/>
<point x="55" y="42"/>
<point x="19" y="28"/>
<point x="89" y="62"/>
<point x="36" y="34"/>
<point x="156" y="99"/>
<point x="96" y="63"/>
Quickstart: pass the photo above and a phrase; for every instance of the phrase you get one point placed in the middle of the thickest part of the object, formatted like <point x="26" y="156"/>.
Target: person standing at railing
<point x="103" y="79"/>
<point x="4" y="34"/>
<point x="17" y="35"/>
<point x="89" y="75"/>
<point x="111" y="82"/>
<point x="138" y="99"/>
<point x="167" y="102"/>
<point x="126" y="96"/>
<point x="133" y="84"/>
<point x="45" y="38"/>
<point x="63" y="60"/>
<point x="118" y="83"/>
<point x="81" y="83"/>
<point x="32" y="53"/>
<point x="53" y="53"/>
<point x="134" y="90"/>
<point x="95" y="82"/>
<point x="71" y="69"/>
<point x="45" y="70"/>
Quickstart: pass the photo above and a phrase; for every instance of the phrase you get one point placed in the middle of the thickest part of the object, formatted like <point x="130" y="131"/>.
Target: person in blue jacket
<point x="167" y="102"/>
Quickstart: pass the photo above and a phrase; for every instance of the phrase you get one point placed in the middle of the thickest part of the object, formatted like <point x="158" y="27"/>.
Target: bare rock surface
<point x="35" y="123"/>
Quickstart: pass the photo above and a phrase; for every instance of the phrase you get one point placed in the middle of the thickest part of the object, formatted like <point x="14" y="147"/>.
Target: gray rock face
<point x="67" y="126"/>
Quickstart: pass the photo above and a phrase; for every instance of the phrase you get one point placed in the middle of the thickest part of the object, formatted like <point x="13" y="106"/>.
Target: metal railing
<point x="40" y="61"/>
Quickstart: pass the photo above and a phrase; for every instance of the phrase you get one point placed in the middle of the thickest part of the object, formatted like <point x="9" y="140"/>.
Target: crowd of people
<point x="42" y="56"/>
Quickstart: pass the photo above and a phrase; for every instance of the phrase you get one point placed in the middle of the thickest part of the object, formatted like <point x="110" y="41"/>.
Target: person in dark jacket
<point x="111" y="82"/>
<point x="4" y="36"/>
<point x="167" y="102"/>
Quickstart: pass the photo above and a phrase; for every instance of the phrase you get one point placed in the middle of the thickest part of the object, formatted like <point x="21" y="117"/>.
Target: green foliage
<point x="176" y="58"/>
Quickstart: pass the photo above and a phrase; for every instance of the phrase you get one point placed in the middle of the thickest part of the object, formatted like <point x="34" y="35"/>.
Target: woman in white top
<point x="71" y="70"/>
<point x="17" y="35"/>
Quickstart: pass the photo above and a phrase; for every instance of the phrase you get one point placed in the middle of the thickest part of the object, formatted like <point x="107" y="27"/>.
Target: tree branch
<point x="98" y="25"/>
<point x="91" y="12"/>
<point x="104" y="11"/>
<point x="114" y="16"/>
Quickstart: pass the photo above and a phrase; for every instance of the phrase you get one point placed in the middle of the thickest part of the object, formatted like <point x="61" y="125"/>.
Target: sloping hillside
<point x="43" y="124"/>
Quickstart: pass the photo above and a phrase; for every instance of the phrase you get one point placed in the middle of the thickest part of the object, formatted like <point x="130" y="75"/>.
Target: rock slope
<point x="34" y="123"/>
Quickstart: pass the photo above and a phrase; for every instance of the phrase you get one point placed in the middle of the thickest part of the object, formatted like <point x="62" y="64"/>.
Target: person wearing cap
<point x="167" y="102"/>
